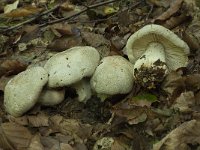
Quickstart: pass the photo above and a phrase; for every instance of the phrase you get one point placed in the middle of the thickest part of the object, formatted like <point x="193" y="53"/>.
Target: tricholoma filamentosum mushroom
<point x="69" y="67"/>
<point x="22" y="92"/>
<point x="154" y="51"/>
<point x="113" y="76"/>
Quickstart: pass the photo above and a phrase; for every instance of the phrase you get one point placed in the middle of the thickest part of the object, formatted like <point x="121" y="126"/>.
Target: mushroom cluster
<point x="46" y="85"/>
<point x="153" y="51"/>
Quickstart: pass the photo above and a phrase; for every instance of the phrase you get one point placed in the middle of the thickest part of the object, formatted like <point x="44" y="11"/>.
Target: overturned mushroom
<point x="113" y="76"/>
<point x="154" y="51"/>
<point x="22" y="92"/>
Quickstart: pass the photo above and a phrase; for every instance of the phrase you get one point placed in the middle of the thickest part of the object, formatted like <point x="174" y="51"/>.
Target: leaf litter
<point x="165" y="118"/>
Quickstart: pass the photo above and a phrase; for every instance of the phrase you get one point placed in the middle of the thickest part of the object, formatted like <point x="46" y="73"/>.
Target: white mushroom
<point x="71" y="66"/>
<point x="154" y="51"/>
<point x="49" y="97"/>
<point x="83" y="90"/>
<point x="22" y="92"/>
<point x="113" y="76"/>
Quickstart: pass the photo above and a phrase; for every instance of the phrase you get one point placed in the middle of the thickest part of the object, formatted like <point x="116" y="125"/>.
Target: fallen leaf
<point x="23" y="12"/>
<point x="14" y="135"/>
<point x="8" y="8"/>
<point x="67" y="6"/>
<point x="98" y="41"/>
<point x="11" y="67"/>
<point x="173" y="84"/>
<point x="174" y="7"/>
<point x="185" y="102"/>
<point x="64" y="43"/>
<point x="180" y="138"/>
<point x="143" y="99"/>
<point x="61" y="29"/>
<point x="35" y="143"/>
<point x="3" y="81"/>
<point x="71" y="127"/>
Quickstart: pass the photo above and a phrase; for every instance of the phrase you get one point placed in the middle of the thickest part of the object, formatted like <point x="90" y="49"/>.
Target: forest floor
<point x="165" y="118"/>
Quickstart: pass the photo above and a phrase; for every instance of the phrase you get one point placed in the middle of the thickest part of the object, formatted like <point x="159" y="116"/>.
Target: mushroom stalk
<point x="151" y="68"/>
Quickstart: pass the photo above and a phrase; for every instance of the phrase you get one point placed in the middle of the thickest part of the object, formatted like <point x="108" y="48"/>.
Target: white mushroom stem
<point x="83" y="90"/>
<point x="151" y="66"/>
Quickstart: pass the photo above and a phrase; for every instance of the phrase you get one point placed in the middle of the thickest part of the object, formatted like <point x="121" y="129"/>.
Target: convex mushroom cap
<point x="113" y="76"/>
<point x="154" y="51"/>
<point x="72" y="65"/>
<point x="22" y="92"/>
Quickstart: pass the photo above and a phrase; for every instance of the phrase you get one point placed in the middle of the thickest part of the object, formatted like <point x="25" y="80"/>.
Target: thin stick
<point x="79" y="13"/>
<point x="58" y="20"/>
<point x="30" y="20"/>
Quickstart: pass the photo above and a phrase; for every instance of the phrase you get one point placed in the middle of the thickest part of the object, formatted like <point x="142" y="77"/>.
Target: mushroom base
<point x="150" y="77"/>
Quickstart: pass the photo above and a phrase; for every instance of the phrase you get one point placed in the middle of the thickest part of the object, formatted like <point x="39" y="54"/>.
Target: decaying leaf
<point x="184" y="135"/>
<point x="98" y="41"/>
<point x="64" y="43"/>
<point x="67" y="6"/>
<point x="71" y="127"/>
<point x="35" y="143"/>
<point x="143" y="99"/>
<point x="174" y="7"/>
<point x="185" y="102"/>
<point x="14" y="136"/>
<point x="11" y="67"/>
<point x="3" y="81"/>
<point x="23" y="12"/>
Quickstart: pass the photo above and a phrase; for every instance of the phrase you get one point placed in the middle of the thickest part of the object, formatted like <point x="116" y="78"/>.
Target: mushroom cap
<point x="50" y="97"/>
<point x="113" y="76"/>
<point x="22" y="92"/>
<point x="72" y="65"/>
<point x="176" y="50"/>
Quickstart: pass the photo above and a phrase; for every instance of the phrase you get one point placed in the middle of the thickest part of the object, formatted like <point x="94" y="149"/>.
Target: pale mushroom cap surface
<point x="176" y="50"/>
<point x="113" y="76"/>
<point x="50" y="97"/>
<point x="22" y="92"/>
<point x="72" y="65"/>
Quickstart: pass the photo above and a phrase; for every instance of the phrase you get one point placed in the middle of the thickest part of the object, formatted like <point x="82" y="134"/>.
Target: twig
<point x="29" y="20"/>
<point x="79" y="13"/>
<point x="104" y="19"/>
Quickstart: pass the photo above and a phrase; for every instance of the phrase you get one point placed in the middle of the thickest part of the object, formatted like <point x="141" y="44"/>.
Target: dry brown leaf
<point x="64" y="43"/>
<point x="173" y="83"/>
<point x="50" y="143"/>
<point x="98" y="41"/>
<point x="179" y="138"/>
<point x="61" y="29"/>
<point x="160" y="3"/>
<point x="185" y="102"/>
<point x="36" y="143"/>
<point x="11" y="67"/>
<point x="3" y="81"/>
<point x="67" y="6"/>
<point x="64" y="146"/>
<point x="175" y="21"/>
<point x="17" y="136"/>
<point x="174" y="7"/>
<point x="39" y="120"/>
<point x="71" y="127"/>
<point x="23" y="12"/>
